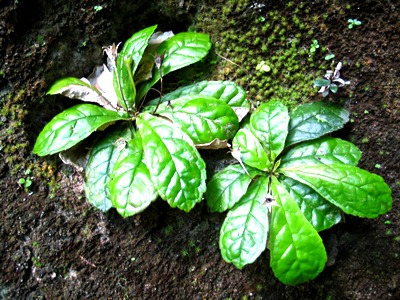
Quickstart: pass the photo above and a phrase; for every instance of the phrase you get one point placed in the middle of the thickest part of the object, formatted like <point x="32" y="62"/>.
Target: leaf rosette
<point x="150" y="148"/>
<point x="292" y="181"/>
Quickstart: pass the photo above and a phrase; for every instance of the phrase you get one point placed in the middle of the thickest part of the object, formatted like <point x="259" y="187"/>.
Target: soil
<point x="54" y="245"/>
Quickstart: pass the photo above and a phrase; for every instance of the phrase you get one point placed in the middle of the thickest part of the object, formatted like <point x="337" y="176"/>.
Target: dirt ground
<point x="54" y="245"/>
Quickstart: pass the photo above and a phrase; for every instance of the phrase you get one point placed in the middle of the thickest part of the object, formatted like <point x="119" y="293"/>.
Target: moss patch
<point x="265" y="50"/>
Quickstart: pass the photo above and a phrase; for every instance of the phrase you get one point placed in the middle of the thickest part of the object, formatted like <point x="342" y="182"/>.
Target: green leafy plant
<point x="292" y="181"/>
<point x="314" y="46"/>
<point x="331" y="81"/>
<point x="329" y="56"/>
<point x="151" y="149"/>
<point x="263" y="67"/>
<point x="98" y="8"/>
<point x="26" y="182"/>
<point x="353" y="22"/>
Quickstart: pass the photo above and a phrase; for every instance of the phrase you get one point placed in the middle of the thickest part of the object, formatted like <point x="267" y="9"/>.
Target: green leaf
<point x="127" y="62"/>
<point x="244" y="232"/>
<point x="269" y="123"/>
<point x="75" y="88"/>
<point x="313" y="120"/>
<point x="124" y="84"/>
<point x="251" y="151"/>
<point x="355" y="191"/>
<point x="131" y="187"/>
<point x="226" y="187"/>
<point x="181" y="50"/>
<point x="28" y="182"/>
<point x="322" y="82"/>
<point x="100" y="165"/>
<point x="150" y="56"/>
<point x="325" y="150"/>
<point x="60" y="85"/>
<point x="319" y="212"/>
<point x="334" y="88"/>
<point x="72" y="126"/>
<point x="226" y="91"/>
<point x="297" y="251"/>
<point x="203" y="118"/>
<point x="176" y="168"/>
<point x="135" y="46"/>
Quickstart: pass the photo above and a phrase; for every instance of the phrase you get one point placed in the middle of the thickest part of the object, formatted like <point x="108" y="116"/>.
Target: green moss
<point x="280" y="38"/>
<point x="168" y="230"/>
<point x="14" y="142"/>
<point x="365" y="140"/>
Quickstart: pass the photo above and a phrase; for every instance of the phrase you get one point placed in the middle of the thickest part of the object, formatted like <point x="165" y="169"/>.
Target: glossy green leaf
<point x="181" y="50"/>
<point x="296" y="249"/>
<point x="203" y="118"/>
<point x="131" y="187"/>
<point x="75" y="88"/>
<point x="269" y="123"/>
<point x="313" y="120"/>
<point x="127" y="62"/>
<point x="135" y="46"/>
<point x="151" y="56"/>
<point x="60" y="85"/>
<point x="244" y="232"/>
<point x="355" y="191"/>
<point x="226" y="187"/>
<point x="325" y="150"/>
<point x="176" y="168"/>
<point x="318" y="211"/>
<point x="322" y="82"/>
<point x="72" y="126"/>
<point x="252" y="152"/>
<point x="226" y="91"/>
<point x="100" y="165"/>
<point x="124" y="85"/>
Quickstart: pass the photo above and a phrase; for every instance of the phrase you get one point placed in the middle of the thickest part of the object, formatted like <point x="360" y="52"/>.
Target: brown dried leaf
<point x="214" y="145"/>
